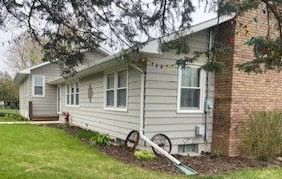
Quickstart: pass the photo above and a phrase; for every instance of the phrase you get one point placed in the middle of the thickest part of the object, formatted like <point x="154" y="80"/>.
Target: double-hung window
<point x="110" y="90"/>
<point x="76" y="94"/>
<point x="121" y="89"/>
<point x="72" y="97"/>
<point x="116" y="91"/>
<point x="190" y="89"/>
<point x="38" y="85"/>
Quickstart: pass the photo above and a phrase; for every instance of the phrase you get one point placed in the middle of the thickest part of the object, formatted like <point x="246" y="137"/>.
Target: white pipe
<point x="146" y="139"/>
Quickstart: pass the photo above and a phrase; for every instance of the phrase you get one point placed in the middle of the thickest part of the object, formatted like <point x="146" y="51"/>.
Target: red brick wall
<point x="223" y="89"/>
<point x="237" y="94"/>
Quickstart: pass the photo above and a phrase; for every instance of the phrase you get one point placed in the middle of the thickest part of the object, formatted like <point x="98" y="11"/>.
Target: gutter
<point x="182" y="168"/>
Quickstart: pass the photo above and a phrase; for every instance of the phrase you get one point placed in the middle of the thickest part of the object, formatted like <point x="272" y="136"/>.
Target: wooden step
<point x="45" y="118"/>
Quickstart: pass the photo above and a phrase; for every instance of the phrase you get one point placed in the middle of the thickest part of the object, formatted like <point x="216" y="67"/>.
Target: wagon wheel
<point x="163" y="142"/>
<point x="132" y="140"/>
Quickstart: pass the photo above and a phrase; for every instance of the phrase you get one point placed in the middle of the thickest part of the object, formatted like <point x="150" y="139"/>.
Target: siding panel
<point x="45" y="106"/>
<point x="161" y="114"/>
<point x="94" y="116"/>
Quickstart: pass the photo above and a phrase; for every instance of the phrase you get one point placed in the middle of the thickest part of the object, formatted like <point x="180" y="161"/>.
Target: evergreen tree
<point x="71" y="26"/>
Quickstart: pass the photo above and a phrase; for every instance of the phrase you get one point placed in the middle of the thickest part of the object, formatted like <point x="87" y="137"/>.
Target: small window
<point x="38" y="82"/>
<point x="116" y="90"/>
<point x="121" y="90"/>
<point x="68" y="94"/>
<point x="188" y="148"/>
<point x="76" y="94"/>
<point x="72" y="94"/>
<point x="110" y="90"/>
<point x="190" y="89"/>
<point x="120" y="141"/>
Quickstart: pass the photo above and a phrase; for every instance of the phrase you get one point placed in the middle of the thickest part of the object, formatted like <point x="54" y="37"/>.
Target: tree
<point x="8" y="89"/>
<point x="267" y="49"/>
<point x="73" y="25"/>
<point x="24" y="53"/>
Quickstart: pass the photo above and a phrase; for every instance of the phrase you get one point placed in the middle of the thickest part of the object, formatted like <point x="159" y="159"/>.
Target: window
<point x="188" y="148"/>
<point x="76" y="94"/>
<point x="110" y="90"/>
<point x="38" y="85"/>
<point x="190" y="92"/>
<point x="121" y="89"/>
<point x="72" y="94"/>
<point x="68" y="94"/>
<point x="72" y="97"/>
<point x="116" y="90"/>
<point x="119" y="141"/>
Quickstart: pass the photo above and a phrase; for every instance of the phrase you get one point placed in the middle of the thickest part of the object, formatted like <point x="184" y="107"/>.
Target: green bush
<point x="262" y="137"/>
<point x="144" y="155"/>
<point x="100" y="139"/>
<point x="12" y="117"/>
<point x="86" y="134"/>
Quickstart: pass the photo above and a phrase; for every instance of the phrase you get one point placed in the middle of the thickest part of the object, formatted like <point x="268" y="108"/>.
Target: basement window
<point x="120" y="141"/>
<point x="188" y="148"/>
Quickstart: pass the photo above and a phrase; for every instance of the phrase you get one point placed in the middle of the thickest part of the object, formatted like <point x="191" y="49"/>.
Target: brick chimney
<point x="237" y="94"/>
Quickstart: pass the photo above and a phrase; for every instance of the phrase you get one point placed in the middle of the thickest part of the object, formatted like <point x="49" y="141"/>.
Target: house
<point x="197" y="110"/>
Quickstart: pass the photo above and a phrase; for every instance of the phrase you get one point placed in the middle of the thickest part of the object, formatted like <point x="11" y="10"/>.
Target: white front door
<point x="59" y="99"/>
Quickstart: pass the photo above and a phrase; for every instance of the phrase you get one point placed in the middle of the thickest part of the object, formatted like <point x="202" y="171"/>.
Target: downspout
<point x="182" y="168"/>
<point x="207" y="87"/>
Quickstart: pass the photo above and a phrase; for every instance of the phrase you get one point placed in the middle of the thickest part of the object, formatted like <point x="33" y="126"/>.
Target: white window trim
<point x="202" y="92"/>
<point x="66" y="90"/>
<point x="115" y="107"/>
<point x="43" y="86"/>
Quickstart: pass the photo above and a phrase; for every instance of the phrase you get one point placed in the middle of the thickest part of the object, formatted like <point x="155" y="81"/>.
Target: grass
<point x="41" y="152"/>
<point x="267" y="173"/>
<point x="11" y="111"/>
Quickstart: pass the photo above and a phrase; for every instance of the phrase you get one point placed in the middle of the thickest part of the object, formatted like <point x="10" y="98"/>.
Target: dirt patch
<point x="204" y="165"/>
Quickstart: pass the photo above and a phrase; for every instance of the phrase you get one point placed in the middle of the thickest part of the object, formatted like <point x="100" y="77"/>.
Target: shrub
<point x="13" y="117"/>
<point x="144" y="155"/>
<point x="86" y="134"/>
<point x="2" y="114"/>
<point x="262" y="137"/>
<point x="216" y="154"/>
<point x="100" y="139"/>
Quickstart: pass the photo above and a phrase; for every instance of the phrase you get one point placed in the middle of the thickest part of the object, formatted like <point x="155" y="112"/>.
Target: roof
<point x="21" y="75"/>
<point x="98" y="67"/>
<point x="153" y="45"/>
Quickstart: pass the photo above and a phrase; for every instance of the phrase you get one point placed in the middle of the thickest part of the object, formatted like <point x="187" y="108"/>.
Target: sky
<point x="198" y="16"/>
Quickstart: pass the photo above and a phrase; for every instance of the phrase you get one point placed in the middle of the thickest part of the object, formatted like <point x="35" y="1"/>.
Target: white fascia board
<point x="27" y="70"/>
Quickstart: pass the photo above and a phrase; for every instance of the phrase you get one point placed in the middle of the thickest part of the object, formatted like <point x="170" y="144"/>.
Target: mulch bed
<point x="204" y="165"/>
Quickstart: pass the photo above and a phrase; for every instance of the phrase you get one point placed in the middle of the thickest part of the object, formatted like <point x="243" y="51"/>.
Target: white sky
<point x="199" y="16"/>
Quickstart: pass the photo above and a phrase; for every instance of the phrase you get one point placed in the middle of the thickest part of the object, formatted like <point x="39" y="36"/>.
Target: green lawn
<point x="13" y="111"/>
<point x="28" y="151"/>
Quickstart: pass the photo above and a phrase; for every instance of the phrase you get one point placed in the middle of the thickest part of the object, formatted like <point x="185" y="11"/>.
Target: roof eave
<point x="153" y="46"/>
<point x="80" y="73"/>
<point x="20" y="77"/>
